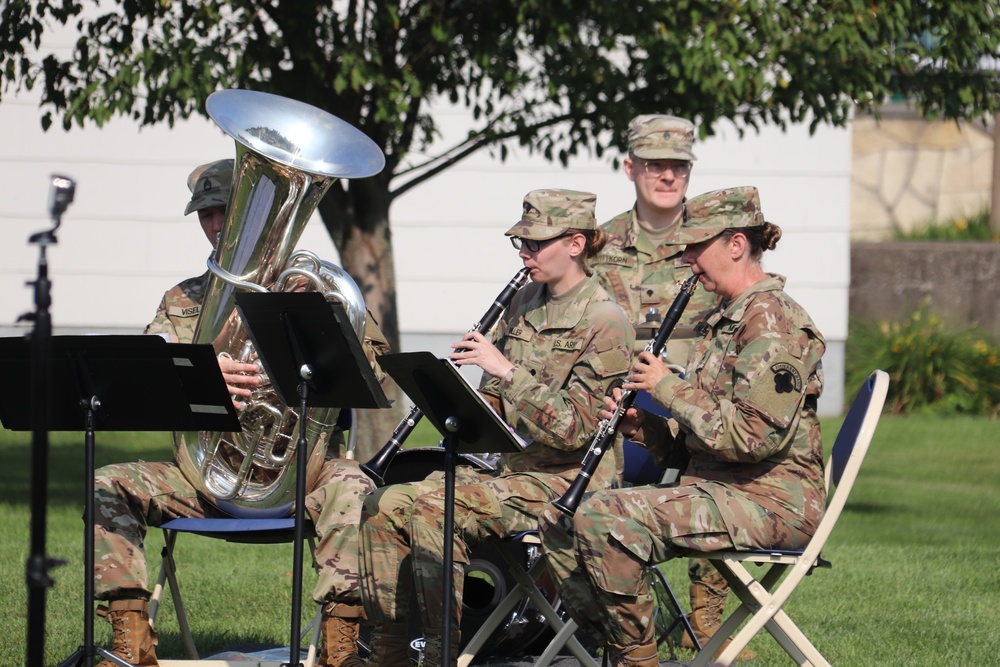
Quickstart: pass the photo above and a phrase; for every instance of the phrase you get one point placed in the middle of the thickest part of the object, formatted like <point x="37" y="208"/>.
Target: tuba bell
<point x="288" y="154"/>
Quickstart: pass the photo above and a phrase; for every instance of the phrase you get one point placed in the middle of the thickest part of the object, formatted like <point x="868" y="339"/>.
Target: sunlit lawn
<point x="915" y="555"/>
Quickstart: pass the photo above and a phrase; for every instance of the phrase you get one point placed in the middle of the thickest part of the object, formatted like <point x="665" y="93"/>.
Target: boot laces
<point x="123" y="637"/>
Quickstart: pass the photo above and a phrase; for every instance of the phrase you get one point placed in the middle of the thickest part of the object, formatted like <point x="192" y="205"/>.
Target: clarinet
<point x="376" y="467"/>
<point x="607" y="430"/>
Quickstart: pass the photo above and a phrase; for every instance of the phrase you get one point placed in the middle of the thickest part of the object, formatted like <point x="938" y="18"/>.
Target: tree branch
<point x="459" y="152"/>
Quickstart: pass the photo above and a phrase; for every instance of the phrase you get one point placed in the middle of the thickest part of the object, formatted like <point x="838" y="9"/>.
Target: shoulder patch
<point x="786" y="378"/>
<point x="778" y="389"/>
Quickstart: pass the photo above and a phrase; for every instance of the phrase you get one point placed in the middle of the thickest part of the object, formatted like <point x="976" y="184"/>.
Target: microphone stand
<point x="37" y="567"/>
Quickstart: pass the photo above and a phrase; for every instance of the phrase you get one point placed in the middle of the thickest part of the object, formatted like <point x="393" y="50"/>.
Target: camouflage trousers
<point x="402" y="538"/>
<point x="598" y="555"/>
<point x="131" y="497"/>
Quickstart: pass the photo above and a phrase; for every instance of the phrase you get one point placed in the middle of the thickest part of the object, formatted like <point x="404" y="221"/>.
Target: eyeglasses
<point x="655" y="168"/>
<point x="532" y="245"/>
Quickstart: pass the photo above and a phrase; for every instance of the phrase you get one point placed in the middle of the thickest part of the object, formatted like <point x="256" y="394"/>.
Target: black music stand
<point x="313" y="357"/>
<point x="468" y="425"/>
<point x="116" y="383"/>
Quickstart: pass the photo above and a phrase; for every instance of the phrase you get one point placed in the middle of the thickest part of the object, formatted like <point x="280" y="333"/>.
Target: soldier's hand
<point x="475" y="349"/>
<point x="631" y="421"/>
<point x="239" y="378"/>
<point x="646" y="373"/>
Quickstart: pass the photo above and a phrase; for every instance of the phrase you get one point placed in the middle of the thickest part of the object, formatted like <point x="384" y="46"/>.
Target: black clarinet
<point x="607" y="430"/>
<point x="376" y="467"/>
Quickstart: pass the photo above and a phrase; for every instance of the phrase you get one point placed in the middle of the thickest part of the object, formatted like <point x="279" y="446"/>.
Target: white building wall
<point x="125" y="240"/>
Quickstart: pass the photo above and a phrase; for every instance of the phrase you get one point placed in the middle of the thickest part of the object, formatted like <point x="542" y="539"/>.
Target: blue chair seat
<point x="244" y="531"/>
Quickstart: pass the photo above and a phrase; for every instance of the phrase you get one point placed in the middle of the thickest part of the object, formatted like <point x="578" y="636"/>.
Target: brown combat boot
<point x="390" y="646"/>
<point x="134" y="639"/>
<point x="339" y="647"/>
<point x="634" y="655"/>
<point x="707" y="606"/>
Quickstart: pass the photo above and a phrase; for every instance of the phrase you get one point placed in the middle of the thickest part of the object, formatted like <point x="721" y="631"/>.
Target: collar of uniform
<point x="566" y="318"/>
<point x="737" y="307"/>
<point x="639" y="239"/>
<point x="620" y="229"/>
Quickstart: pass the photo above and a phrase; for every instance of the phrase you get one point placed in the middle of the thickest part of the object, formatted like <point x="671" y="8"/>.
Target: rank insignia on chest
<point x="519" y="333"/>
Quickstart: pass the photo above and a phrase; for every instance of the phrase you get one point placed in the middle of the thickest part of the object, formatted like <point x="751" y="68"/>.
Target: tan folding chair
<point x="762" y="598"/>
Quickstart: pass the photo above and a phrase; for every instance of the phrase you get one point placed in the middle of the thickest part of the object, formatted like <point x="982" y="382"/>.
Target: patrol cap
<point x="709" y="214"/>
<point x="659" y="137"/>
<point x="210" y="184"/>
<point x="550" y="213"/>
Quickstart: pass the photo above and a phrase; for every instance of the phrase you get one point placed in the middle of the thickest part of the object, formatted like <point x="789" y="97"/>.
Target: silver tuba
<point x="287" y="156"/>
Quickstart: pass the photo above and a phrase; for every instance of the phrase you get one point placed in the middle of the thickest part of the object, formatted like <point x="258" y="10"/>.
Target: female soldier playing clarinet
<point x="746" y="412"/>
<point x="557" y="349"/>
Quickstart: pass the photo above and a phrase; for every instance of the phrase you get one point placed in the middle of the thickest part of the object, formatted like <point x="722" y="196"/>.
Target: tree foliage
<point x="559" y="77"/>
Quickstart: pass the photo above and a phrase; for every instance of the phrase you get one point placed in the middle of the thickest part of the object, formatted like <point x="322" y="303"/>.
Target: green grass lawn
<point x="914" y="578"/>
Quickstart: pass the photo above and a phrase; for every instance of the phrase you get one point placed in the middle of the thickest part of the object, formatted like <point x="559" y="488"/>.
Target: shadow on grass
<point x="67" y="459"/>
<point x="869" y="508"/>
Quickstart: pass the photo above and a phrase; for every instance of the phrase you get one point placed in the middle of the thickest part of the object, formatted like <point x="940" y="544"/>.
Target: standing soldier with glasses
<point x="641" y="267"/>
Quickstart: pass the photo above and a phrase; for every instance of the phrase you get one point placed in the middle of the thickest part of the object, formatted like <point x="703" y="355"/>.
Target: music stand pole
<point x="84" y="655"/>
<point x="37" y="568"/>
<point x="451" y="425"/>
<point x="308" y="349"/>
<point x="298" y="550"/>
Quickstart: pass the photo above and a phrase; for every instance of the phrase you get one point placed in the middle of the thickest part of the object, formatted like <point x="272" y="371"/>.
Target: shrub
<point x="931" y="368"/>
<point x="962" y="228"/>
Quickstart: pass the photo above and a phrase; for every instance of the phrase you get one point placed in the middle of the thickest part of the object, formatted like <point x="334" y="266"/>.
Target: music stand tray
<point x="439" y="390"/>
<point x="115" y="383"/>
<point x="290" y="329"/>
<point x="143" y="383"/>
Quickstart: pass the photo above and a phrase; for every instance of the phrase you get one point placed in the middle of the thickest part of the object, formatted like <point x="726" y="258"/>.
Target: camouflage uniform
<point x="643" y="277"/>
<point x="566" y="352"/>
<point x="746" y="413"/>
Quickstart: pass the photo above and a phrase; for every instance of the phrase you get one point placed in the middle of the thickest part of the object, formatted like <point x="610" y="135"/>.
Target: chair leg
<point x="315" y="625"/>
<point x="564" y="630"/>
<point x="498" y="615"/>
<point x="526" y="587"/>
<point x="665" y="594"/>
<point x="168" y="574"/>
<point x="754" y="595"/>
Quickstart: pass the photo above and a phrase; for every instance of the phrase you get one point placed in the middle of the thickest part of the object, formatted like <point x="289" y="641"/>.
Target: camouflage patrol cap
<point x="709" y="214"/>
<point x="210" y="184"/>
<point x="659" y="137"/>
<point x="549" y="213"/>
